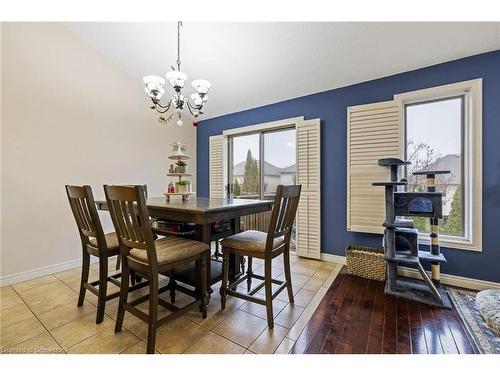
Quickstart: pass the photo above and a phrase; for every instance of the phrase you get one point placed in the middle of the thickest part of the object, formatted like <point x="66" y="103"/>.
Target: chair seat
<point x="111" y="241"/>
<point x="250" y="240"/>
<point x="171" y="249"/>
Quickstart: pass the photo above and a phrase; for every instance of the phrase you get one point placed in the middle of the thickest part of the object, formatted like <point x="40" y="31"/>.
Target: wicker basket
<point x="366" y="262"/>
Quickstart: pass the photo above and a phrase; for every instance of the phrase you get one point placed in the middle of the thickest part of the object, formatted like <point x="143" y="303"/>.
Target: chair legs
<point x="103" y="287"/>
<point x="268" y="286"/>
<point x="153" y="313"/>
<point x="118" y="261"/>
<point x="154" y="298"/>
<point x="225" y="277"/>
<point x="123" y="296"/>
<point x="171" y="286"/>
<point x="249" y="274"/>
<point x="85" y="277"/>
<point x="288" y="277"/>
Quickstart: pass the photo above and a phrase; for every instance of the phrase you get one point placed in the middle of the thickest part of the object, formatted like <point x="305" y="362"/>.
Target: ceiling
<point x="254" y="64"/>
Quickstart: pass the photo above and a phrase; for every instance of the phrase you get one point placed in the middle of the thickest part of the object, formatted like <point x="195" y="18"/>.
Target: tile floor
<point x="40" y="316"/>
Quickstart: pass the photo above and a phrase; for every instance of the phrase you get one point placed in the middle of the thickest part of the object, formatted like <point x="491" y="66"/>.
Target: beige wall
<point x="68" y="116"/>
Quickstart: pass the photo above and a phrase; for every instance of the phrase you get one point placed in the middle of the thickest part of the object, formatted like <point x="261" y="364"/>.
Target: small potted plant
<point x="183" y="186"/>
<point x="180" y="166"/>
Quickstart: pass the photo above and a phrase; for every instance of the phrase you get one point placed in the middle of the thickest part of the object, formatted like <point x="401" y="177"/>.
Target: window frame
<point x="260" y="129"/>
<point x="471" y="154"/>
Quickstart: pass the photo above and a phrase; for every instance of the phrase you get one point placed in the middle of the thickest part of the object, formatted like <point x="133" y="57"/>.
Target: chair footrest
<point x="260" y="277"/>
<point x="260" y="301"/>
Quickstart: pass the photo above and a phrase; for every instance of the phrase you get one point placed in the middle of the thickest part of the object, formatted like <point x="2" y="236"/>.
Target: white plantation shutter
<point x="373" y="132"/>
<point x="217" y="166"/>
<point x="308" y="220"/>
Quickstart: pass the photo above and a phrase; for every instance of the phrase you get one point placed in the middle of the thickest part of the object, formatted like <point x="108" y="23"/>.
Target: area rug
<point x="487" y="342"/>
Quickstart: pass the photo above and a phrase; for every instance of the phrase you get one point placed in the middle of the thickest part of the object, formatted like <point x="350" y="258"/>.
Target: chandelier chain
<point x="179" y="24"/>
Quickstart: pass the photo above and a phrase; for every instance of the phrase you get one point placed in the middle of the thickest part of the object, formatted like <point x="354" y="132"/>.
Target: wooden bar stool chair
<point x="94" y="242"/>
<point x="141" y="253"/>
<point x="267" y="246"/>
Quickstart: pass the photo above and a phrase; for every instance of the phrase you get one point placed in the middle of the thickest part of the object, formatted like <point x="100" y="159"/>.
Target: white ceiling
<point x="253" y="64"/>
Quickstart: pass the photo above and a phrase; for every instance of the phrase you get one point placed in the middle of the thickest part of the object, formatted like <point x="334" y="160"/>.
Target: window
<point x="279" y="159"/>
<point x="442" y="130"/>
<point x="245" y="166"/>
<point x="435" y="128"/>
<point x="261" y="161"/>
<point x="434" y="141"/>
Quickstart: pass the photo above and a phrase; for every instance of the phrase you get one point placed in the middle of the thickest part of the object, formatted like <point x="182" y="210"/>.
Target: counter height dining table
<point x="203" y="211"/>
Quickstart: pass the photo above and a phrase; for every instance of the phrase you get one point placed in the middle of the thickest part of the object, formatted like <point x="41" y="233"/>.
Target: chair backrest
<point x="84" y="210"/>
<point x="127" y="206"/>
<point x="283" y="214"/>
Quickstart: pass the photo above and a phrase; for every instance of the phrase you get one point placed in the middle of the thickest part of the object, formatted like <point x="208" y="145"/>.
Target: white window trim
<point x="473" y="150"/>
<point x="272" y="125"/>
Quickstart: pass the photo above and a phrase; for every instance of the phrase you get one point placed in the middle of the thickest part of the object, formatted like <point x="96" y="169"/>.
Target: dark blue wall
<point x="330" y="107"/>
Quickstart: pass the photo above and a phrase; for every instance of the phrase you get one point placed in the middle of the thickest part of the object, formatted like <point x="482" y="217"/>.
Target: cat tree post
<point x="434" y="222"/>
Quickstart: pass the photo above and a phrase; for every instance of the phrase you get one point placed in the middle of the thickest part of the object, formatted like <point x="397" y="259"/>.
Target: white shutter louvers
<point x="217" y="167"/>
<point x="308" y="220"/>
<point x="373" y="132"/>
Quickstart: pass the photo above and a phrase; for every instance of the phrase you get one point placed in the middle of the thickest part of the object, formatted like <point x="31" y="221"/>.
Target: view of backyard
<point x="434" y="142"/>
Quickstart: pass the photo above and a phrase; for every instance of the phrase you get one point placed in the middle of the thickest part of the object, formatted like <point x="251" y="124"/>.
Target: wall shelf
<point x="179" y="157"/>
<point x="179" y="174"/>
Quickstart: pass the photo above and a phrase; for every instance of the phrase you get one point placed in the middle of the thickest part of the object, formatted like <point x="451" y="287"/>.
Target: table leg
<point x="234" y="259"/>
<point x="203" y="234"/>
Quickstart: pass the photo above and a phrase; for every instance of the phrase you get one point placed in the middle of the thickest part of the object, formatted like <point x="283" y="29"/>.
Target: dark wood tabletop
<point x="205" y="205"/>
<point x="201" y="210"/>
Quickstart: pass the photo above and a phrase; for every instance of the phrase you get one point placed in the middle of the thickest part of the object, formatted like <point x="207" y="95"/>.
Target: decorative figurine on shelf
<point x="172" y="169"/>
<point x="180" y="166"/>
<point x="178" y="148"/>
<point x="170" y="188"/>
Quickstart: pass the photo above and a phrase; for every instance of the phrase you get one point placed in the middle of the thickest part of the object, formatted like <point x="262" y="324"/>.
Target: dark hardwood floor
<point x="355" y="316"/>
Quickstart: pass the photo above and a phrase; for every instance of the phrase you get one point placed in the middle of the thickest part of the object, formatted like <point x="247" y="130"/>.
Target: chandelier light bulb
<point x="201" y="86"/>
<point x="179" y="122"/>
<point x="176" y="79"/>
<point x="153" y="81"/>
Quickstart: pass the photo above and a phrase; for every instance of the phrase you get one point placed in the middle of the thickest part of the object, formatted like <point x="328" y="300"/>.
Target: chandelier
<point x="176" y="78"/>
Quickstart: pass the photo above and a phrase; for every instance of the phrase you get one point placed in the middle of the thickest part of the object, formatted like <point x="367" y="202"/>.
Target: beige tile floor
<point x="40" y="316"/>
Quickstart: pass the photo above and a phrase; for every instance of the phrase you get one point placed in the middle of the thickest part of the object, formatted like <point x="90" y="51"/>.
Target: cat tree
<point x="401" y="245"/>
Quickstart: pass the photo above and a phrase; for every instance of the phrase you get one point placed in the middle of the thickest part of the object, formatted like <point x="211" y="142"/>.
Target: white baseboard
<point x="43" y="271"/>
<point x="459" y="281"/>
<point x="339" y="259"/>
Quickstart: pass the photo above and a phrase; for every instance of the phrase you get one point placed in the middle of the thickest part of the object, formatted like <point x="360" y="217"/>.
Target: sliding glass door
<point x="258" y="163"/>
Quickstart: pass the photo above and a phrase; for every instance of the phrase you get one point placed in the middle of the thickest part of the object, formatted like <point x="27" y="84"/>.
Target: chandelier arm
<point x="193" y="107"/>
<point x="165" y="108"/>
<point x="158" y="104"/>
<point x="160" y="111"/>
<point x="189" y="107"/>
